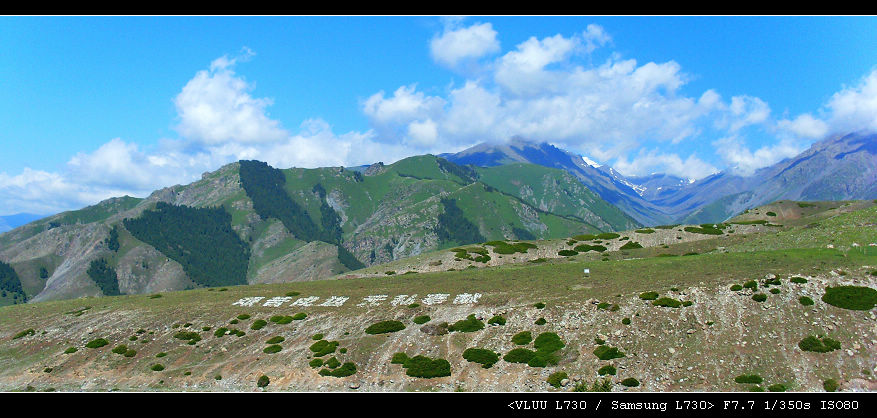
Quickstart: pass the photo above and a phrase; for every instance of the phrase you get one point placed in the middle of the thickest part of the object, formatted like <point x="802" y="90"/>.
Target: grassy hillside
<point x="747" y="302"/>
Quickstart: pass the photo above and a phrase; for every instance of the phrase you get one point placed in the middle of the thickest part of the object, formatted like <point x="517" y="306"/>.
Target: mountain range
<point x="838" y="168"/>
<point x="248" y="222"/>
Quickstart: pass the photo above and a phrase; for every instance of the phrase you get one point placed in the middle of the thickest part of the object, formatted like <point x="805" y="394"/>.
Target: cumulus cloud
<point x="742" y="161"/>
<point x="804" y="126"/>
<point x="215" y="107"/>
<point x="855" y="108"/>
<point x="456" y="44"/>
<point x="650" y="162"/>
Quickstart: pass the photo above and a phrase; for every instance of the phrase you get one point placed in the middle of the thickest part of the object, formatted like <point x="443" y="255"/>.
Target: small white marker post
<point x="587" y="272"/>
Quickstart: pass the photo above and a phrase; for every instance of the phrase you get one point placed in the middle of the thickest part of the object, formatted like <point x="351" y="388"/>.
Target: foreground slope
<point x="209" y="339"/>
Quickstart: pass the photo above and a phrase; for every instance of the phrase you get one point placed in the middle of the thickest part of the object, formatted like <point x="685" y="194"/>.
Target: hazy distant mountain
<point x="13" y="221"/>
<point x="838" y="168"/>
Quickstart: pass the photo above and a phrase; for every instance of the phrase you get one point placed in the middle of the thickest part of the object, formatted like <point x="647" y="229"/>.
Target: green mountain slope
<point x="267" y="225"/>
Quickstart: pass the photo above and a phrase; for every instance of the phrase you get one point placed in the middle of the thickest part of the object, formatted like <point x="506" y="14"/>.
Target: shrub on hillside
<point x="648" y="295"/>
<point x="258" y="324"/>
<point x="420" y="320"/>
<point x="470" y="324"/>
<point x="749" y="378"/>
<point x="425" y="367"/>
<point x="567" y="253"/>
<point x="540" y="321"/>
<point x="632" y="245"/>
<point x="736" y="288"/>
<point x="605" y="352"/>
<point x="263" y="381"/>
<point x="667" y="302"/>
<point x="805" y="300"/>
<point x="97" y="343"/>
<point x="759" y="297"/>
<point x="385" y="327"/>
<point x="857" y="298"/>
<point x="323" y="347"/>
<point x="798" y="280"/>
<point x="630" y="382"/>
<point x="522" y="338"/>
<point x="607" y="369"/>
<point x="816" y="345"/>
<point x="486" y="358"/>
<point x="830" y="385"/>
<point x="556" y="378"/>
<point x="519" y="355"/>
<point x="497" y="320"/>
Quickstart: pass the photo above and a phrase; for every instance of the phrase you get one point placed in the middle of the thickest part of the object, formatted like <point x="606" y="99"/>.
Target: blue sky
<point x="93" y="107"/>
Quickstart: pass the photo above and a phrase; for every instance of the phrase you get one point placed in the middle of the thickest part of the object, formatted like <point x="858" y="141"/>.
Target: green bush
<point x="756" y="389"/>
<point x="687" y="303"/>
<point x="385" y="327"/>
<point x="631" y="245"/>
<point x="605" y="352"/>
<point x="519" y="355"/>
<point x="486" y="358"/>
<point x="858" y="298"/>
<point x="625" y="321"/>
<point x="752" y="284"/>
<point x="244" y="316"/>
<point x="258" y="324"/>
<point x="759" y="297"/>
<point x="814" y="344"/>
<point x="281" y="319"/>
<point x="608" y="235"/>
<point x="771" y="214"/>
<point x="233" y="321"/>
<point x="777" y="387"/>
<point x="604" y="385"/>
<point x="599" y="341"/>
<point x="706" y="231"/>
<point x="317" y="362"/>
<point x="667" y="302"/>
<point x="346" y="369"/>
<point x="548" y="342"/>
<point x="97" y="343"/>
<point x="293" y="293"/>
<point x="425" y="367"/>
<point x="798" y="279"/>
<point x="749" y="378"/>
<point x="271" y="349"/>
<point x="645" y="231"/>
<point x="539" y="305"/>
<point x="496" y="320"/>
<point x="775" y="291"/>
<point x="555" y="378"/>
<point x="567" y="253"/>
<point x="130" y="353"/>
<point x="630" y="382"/>
<point x="221" y="331"/>
<point x="299" y="316"/>
<point x="333" y="363"/>
<point x="190" y="336"/>
<point x="648" y="295"/>
<point x="71" y="350"/>
<point x="470" y="324"/>
<point x="420" y="320"/>
<point x="607" y="369"/>
<point x="263" y="381"/>
<point x="399" y="358"/>
<point x="120" y="349"/>
<point x="275" y="340"/>
<point x="522" y="338"/>
<point x="317" y="337"/>
<point x="29" y="331"/>
<point x="160" y="355"/>
<point x="603" y="305"/>
<point x="830" y="385"/>
<point x="323" y="347"/>
<point x="736" y="287"/>
<point x="157" y="367"/>
<point x="583" y="248"/>
<point x="540" y="321"/>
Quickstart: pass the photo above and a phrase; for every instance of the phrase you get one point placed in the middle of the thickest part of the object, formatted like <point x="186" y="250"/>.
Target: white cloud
<point x="804" y="126"/>
<point x="595" y="36"/>
<point x="742" y="161"/>
<point x="458" y="44"/>
<point x="215" y="107"/>
<point x="855" y="108"/>
<point x="650" y="162"/>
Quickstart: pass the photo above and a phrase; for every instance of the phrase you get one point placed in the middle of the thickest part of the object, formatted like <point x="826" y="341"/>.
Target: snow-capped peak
<point x="590" y="162"/>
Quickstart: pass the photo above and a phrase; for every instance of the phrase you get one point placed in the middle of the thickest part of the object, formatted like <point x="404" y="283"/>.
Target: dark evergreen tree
<point x="9" y="280"/>
<point x="113" y="240"/>
<point x="200" y="239"/>
<point x="44" y="274"/>
<point x="265" y="187"/>
<point x="453" y="227"/>
<point x="104" y="276"/>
